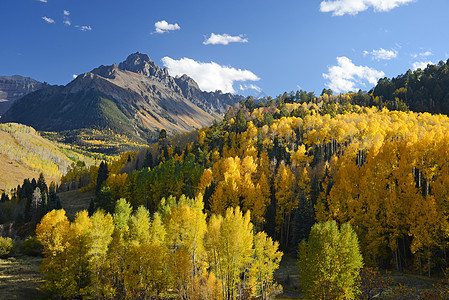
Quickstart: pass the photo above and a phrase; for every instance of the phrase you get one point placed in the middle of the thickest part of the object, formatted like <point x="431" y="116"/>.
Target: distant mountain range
<point x="15" y="87"/>
<point x="135" y="98"/>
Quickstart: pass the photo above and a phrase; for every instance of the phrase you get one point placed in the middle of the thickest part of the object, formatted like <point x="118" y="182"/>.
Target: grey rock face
<point x="15" y="87"/>
<point x="133" y="98"/>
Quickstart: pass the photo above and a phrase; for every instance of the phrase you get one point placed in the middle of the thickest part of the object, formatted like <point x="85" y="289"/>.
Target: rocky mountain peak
<point x="142" y="64"/>
<point x="15" y="87"/>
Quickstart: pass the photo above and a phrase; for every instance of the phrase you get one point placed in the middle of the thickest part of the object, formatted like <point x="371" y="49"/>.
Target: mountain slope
<point x="15" y="87"/>
<point x="424" y="90"/>
<point x="24" y="154"/>
<point x="136" y="98"/>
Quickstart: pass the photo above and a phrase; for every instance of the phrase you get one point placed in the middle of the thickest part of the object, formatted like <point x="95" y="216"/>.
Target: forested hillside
<point x="423" y="90"/>
<point x="121" y="107"/>
<point x="297" y="163"/>
<point x="25" y="154"/>
<point x="276" y="175"/>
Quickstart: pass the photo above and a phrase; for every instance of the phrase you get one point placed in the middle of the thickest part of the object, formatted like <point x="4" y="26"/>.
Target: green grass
<point x="20" y="278"/>
<point x="417" y="281"/>
<point x="75" y="201"/>
<point x="287" y="276"/>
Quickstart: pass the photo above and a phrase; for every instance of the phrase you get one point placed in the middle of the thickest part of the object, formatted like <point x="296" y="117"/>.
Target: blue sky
<point x="273" y="46"/>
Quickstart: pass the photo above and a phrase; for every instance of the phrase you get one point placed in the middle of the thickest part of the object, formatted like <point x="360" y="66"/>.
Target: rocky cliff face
<point x="133" y="98"/>
<point x="15" y="87"/>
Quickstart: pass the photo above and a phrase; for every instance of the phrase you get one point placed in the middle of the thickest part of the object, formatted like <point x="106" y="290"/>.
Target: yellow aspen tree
<point x="211" y="241"/>
<point x="117" y="261"/>
<point x="235" y="250"/>
<point x="329" y="262"/>
<point x="53" y="232"/>
<point x="266" y="260"/>
<point x="80" y="246"/>
<point x="139" y="225"/>
<point x="100" y="238"/>
<point x="285" y="201"/>
<point x="186" y="226"/>
<point x="206" y="287"/>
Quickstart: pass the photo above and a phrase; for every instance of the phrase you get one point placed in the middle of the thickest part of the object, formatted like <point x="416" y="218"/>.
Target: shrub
<point x="6" y="245"/>
<point x="31" y="246"/>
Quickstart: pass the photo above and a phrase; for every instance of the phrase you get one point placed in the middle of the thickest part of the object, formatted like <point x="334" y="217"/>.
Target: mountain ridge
<point x="136" y="98"/>
<point x="14" y="87"/>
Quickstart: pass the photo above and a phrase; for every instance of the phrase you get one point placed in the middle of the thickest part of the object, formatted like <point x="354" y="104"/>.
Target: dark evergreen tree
<point x="163" y="143"/>
<point x="58" y="203"/>
<point x="53" y="201"/>
<point x="41" y="184"/>
<point x="148" y="162"/>
<point x="101" y="177"/>
<point x="270" y="216"/>
<point x="52" y="187"/>
<point x="104" y="199"/>
<point x="33" y="184"/>
<point x="162" y="134"/>
<point x="303" y="221"/>
<point x="249" y="103"/>
<point x="26" y="195"/>
<point x="4" y="197"/>
<point x="26" y="191"/>
<point x="329" y="92"/>
<point x="91" y="208"/>
<point x="268" y="119"/>
<point x="240" y="122"/>
<point x="207" y="194"/>
<point x="45" y="204"/>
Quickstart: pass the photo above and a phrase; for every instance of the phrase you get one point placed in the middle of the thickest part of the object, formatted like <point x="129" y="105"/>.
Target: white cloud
<point x="74" y="76"/>
<point x="43" y="1"/>
<point x="163" y="26"/>
<point x="66" y="18"/>
<point x="209" y="76"/>
<point x="353" y="7"/>
<point x="382" y="54"/>
<point x="224" y="39"/>
<point x="245" y="87"/>
<point x="424" y="54"/>
<point x="348" y="77"/>
<point x="421" y="65"/>
<point x="48" y="20"/>
<point x="84" y="27"/>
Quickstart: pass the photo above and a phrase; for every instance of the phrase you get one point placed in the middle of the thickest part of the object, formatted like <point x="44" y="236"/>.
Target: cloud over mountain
<point x="209" y="76"/>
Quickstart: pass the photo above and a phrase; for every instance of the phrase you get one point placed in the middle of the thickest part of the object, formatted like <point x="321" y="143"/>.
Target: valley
<point x="129" y="182"/>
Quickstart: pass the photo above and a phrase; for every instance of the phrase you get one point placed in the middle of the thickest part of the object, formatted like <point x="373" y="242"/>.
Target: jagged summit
<point x="135" y="97"/>
<point x="142" y="64"/>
